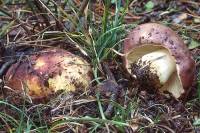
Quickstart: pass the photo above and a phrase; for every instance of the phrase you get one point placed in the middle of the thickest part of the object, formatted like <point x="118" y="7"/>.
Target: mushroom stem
<point x="156" y="67"/>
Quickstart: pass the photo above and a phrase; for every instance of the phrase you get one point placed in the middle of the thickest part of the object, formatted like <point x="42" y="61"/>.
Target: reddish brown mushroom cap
<point x="51" y="70"/>
<point x="152" y="36"/>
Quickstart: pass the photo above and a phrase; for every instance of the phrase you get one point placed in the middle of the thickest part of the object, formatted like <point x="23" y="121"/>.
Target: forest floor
<point x="84" y="27"/>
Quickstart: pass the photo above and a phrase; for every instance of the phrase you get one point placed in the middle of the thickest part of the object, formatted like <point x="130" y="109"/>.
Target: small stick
<point x="43" y="11"/>
<point x="17" y="65"/>
<point x="108" y="72"/>
<point x="5" y="67"/>
<point x="115" y="90"/>
<point x="43" y="8"/>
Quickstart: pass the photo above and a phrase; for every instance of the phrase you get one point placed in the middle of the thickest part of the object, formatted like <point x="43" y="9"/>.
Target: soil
<point x="145" y="110"/>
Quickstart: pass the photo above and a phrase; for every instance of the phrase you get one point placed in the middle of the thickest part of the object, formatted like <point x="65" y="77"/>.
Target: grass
<point x="12" y="123"/>
<point x="27" y="123"/>
<point x="96" y="42"/>
<point x="98" y="37"/>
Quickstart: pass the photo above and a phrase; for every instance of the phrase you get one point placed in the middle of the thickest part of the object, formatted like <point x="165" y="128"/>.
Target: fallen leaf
<point x="149" y="6"/>
<point x="194" y="44"/>
<point x="196" y="122"/>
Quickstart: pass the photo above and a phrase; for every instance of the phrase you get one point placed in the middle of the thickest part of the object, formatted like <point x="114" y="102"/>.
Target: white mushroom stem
<point x="159" y="62"/>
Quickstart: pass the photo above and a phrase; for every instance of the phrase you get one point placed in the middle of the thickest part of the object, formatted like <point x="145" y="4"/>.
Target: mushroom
<point x="46" y="73"/>
<point x="158" y="59"/>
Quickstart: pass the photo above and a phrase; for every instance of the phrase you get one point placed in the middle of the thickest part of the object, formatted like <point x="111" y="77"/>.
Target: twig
<point x="42" y="7"/>
<point x="108" y="72"/>
<point x="169" y="129"/>
<point x="5" y="66"/>
<point x="39" y="5"/>
<point x="114" y="88"/>
<point x="89" y="119"/>
<point x="190" y="2"/>
<point x="17" y="65"/>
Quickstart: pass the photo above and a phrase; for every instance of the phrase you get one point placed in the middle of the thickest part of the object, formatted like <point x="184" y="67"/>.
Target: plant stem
<point x="17" y="20"/>
<point x="98" y="120"/>
<point x="80" y="13"/>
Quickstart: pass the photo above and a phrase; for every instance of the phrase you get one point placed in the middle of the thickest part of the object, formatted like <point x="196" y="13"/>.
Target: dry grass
<point x="93" y="30"/>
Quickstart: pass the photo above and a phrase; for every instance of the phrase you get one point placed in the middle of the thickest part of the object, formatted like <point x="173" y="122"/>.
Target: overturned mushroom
<point x="158" y="58"/>
<point x="49" y="71"/>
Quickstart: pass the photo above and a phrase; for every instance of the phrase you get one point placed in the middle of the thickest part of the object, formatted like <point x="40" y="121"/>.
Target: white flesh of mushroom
<point x="161" y="63"/>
